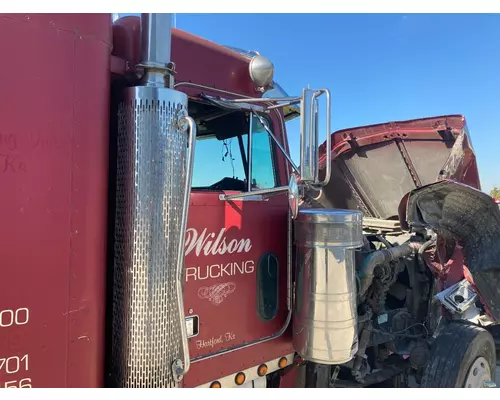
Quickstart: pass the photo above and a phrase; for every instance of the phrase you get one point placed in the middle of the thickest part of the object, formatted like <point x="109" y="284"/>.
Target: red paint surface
<point x="196" y="59"/>
<point x="448" y="269"/>
<point x="423" y="128"/>
<point x="53" y="174"/>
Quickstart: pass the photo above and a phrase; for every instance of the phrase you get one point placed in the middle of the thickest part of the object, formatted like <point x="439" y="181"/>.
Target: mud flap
<point x="472" y="218"/>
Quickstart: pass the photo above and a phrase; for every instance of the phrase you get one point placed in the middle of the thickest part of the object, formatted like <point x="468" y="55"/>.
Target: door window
<point x="221" y="156"/>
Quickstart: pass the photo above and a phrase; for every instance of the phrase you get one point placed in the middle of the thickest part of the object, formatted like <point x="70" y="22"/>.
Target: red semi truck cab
<point x="157" y="233"/>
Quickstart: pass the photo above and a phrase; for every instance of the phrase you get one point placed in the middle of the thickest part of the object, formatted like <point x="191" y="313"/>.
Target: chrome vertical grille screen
<point x="151" y="177"/>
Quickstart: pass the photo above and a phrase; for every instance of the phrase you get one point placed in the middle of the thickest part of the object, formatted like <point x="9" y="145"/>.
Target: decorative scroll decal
<point x="216" y="293"/>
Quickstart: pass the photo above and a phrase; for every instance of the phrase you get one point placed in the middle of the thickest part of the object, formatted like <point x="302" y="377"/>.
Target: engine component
<point x="359" y="368"/>
<point x="419" y="355"/>
<point x="325" y="323"/>
<point x="382" y="257"/>
<point x="385" y="275"/>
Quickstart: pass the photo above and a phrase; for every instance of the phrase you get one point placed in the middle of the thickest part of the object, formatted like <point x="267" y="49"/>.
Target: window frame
<point x="247" y="162"/>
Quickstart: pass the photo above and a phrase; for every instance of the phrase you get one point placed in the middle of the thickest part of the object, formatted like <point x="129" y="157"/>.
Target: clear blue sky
<point x="380" y="67"/>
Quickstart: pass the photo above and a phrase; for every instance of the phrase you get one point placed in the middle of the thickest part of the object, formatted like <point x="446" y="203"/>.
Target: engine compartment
<point x="401" y="307"/>
<point x="394" y="319"/>
<point x="418" y="269"/>
<point x="395" y="309"/>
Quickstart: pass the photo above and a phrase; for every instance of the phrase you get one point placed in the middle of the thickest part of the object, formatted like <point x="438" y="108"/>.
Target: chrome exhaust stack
<point x="156" y="44"/>
<point x="156" y="142"/>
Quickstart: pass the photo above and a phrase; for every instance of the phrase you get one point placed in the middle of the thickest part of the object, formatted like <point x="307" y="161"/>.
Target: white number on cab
<point x="20" y="384"/>
<point x="14" y="364"/>
<point x="8" y="318"/>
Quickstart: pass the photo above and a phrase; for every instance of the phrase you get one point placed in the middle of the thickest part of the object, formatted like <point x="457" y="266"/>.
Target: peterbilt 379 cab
<point x="157" y="233"/>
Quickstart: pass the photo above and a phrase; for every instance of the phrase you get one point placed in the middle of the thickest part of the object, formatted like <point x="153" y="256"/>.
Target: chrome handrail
<point x="179" y="369"/>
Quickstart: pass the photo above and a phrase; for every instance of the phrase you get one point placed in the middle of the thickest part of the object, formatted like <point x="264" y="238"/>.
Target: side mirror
<point x="293" y="196"/>
<point x="309" y="137"/>
<point x="309" y="143"/>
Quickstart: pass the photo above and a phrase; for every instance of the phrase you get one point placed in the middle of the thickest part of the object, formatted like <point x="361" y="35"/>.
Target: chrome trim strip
<point x="250" y="142"/>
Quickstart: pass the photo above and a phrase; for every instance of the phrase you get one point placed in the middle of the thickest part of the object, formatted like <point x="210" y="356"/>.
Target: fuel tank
<point x="54" y="132"/>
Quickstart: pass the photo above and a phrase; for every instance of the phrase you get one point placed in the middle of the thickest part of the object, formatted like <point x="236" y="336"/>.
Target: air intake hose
<point x="380" y="257"/>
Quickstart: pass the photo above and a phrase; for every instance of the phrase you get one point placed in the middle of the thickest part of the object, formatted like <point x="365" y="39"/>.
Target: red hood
<point x="374" y="166"/>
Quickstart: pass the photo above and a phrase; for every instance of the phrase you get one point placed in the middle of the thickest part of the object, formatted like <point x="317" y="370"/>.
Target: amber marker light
<point x="262" y="370"/>
<point x="239" y="379"/>
<point x="215" y="385"/>
<point x="283" y="362"/>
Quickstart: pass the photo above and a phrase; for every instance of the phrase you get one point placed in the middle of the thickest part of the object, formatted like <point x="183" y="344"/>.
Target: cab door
<point x="235" y="289"/>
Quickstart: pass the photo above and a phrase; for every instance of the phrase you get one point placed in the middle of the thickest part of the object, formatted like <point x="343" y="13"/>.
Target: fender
<point x="462" y="216"/>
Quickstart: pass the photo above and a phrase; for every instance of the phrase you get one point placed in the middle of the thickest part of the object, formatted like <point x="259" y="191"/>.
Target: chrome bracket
<point x="178" y="370"/>
<point x="182" y="120"/>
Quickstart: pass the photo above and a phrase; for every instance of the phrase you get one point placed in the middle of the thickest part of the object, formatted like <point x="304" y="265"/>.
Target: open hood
<point x="374" y="166"/>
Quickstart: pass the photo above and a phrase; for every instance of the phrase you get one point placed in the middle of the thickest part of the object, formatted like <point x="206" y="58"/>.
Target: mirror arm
<point x="289" y="103"/>
<point x="263" y="99"/>
<point x="262" y="192"/>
